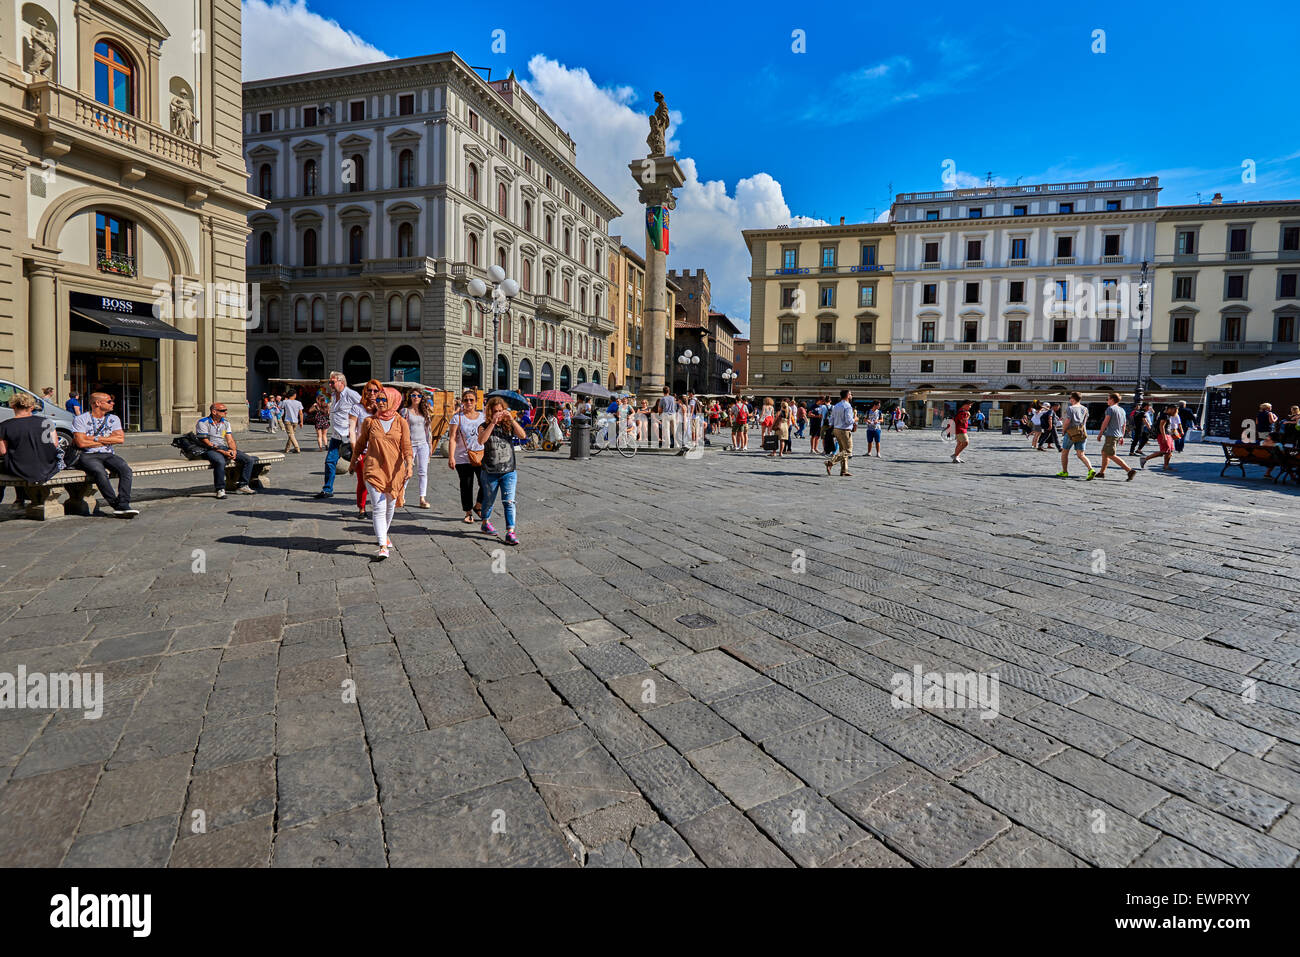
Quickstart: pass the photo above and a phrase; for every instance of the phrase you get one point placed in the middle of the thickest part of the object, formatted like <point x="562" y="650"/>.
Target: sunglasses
<point x="222" y="411"/>
<point x="381" y="400"/>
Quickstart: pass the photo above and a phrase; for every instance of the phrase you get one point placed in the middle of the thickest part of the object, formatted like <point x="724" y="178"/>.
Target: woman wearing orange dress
<point x="385" y="463"/>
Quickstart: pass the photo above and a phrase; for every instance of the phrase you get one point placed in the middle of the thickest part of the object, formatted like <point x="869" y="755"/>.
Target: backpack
<point x="190" y="446"/>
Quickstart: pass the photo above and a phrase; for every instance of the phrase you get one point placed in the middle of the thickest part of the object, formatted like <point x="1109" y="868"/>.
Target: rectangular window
<point x="828" y="257"/>
<point x="787" y="297"/>
<point x="309" y="116"/>
<point x="1019" y="210"/>
<point x="1182" y="287"/>
<point x="1013" y="366"/>
<point x="357" y="111"/>
<point x="502" y="146"/>
<point x="1112" y="245"/>
<point x="1018" y="249"/>
<point x="1015" y="330"/>
<point x="1286" y="284"/>
<point x="1178" y="367"/>
<point x="1065" y="208"/>
<point x="787" y="365"/>
<point x="264" y="122"/>
<point x="972" y="292"/>
<point x="931" y="215"/>
<point x="1230" y="366"/>
<point x="970" y="331"/>
<point x="927" y="365"/>
<point x="824" y="365"/>
<point x="406" y="104"/>
<point x="927" y="331"/>
<point x="1232" y="328"/>
<point x="826" y="297"/>
<point x="864" y="365"/>
<point x="1107" y="330"/>
<point x="869" y="254"/>
<point x="1058" y="366"/>
<point x="1237" y="240"/>
<point x="1286" y="328"/>
<point x="1290" y="239"/>
<point x="825" y="332"/>
<point x="1060" y="330"/>
<point x="932" y="252"/>
<point x="790" y="259"/>
<point x="967" y="366"/>
<point x="1185" y="244"/>
<point x="1105" y="367"/>
<point x="866" y="333"/>
<point x="1064" y="247"/>
<point x="973" y="249"/>
<point x="550" y="183"/>
<point x="787" y="333"/>
<point x="473" y="125"/>
<point x="1109" y="290"/>
<point x="528" y="164"/>
<point x="1016" y="291"/>
<point x="1062" y="290"/>
<point x="1235" y="287"/>
<point x="867" y="295"/>
<point x="975" y="213"/>
<point x="1182" y="328"/>
<point x="930" y="293"/>
<point x="1113" y="205"/>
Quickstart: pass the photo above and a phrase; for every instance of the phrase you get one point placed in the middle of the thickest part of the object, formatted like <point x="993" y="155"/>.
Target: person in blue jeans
<point x="498" y="475"/>
<point x="345" y="410"/>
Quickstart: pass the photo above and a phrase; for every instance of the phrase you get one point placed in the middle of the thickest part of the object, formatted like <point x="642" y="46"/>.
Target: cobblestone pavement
<point x="684" y="664"/>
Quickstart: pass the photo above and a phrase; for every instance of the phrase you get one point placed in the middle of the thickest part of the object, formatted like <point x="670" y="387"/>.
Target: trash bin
<point x="1006" y="425"/>
<point x="580" y="438"/>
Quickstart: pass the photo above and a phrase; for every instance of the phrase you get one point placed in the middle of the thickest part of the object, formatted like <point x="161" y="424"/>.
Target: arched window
<point x="550" y="231"/>
<point x="582" y="251"/>
<point x="526" y="276"/>
<point x="309" y="247"/>
<point x="114" y="78"/>
<point x="568" y="290"/>
<point x="473" y="249"/>
<point x="405" y="364"/>
<point x="347" y="314"/>
<point x="532" y="333"/>
<point x="300" y="316"/>
<point x="525" y="376"/>
<point x="473" y="182"/>
<point x="469" y="321"/>
<point x="596" y="261"/>
<point x="413" y="307"/>
<point x="265" y="249"/>
<point x="309" y="178"/>
<point x="564" y="378"/>
<point x="364" y="309"/>
<point x="264" y="181"/>
<point x="318" y="315"/>
<point x="273" y="316"/>
<point x="356" y="244"/>
<point x="356" y="364"/>
<point x="503" y="197"/>
<point x="501" y="256"/>
<point x="503" y="372"/>
<point x="471" y="371"/>
<point x="358" y="174"/>
<point x="595" y="377"/>
<point x="405" y="169"/>
<point x="548" y="377"/>
<point x="582" y="376"/>
<point x="549" y="283"/>
<point x="528" y="216"/>
<point x="405" y="241"/>
<point x="582" y="301"/>
<point x="568" y="242"/>
<point x="395" y="313"/>
<point x="311" y="363"/>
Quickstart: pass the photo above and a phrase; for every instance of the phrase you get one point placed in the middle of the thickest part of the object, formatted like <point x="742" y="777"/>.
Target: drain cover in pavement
<point x="696" y="621"/>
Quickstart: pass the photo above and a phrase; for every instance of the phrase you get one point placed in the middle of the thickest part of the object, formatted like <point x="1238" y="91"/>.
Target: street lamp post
<point x="503" y="290"/>
<point x="1142" y="308"/>
<point x="730" y="377"/>
<point x="686" y="359"/>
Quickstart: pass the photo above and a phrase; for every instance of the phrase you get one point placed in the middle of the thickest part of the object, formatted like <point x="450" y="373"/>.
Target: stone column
<point x="185" y="369"/>
<point x="42" y="351"/>
<point x="657" y="177"/>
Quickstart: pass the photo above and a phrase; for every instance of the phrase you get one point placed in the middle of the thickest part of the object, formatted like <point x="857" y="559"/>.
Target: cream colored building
<point x="123" y="204"/>
<point x="821" y="299"/>
<point x="1225" y="291"/>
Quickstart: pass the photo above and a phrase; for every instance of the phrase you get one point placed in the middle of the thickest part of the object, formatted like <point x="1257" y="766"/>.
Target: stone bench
<point x="43" y="497"/>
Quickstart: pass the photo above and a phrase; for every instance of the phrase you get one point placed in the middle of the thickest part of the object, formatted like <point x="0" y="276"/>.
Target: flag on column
<point x="656" y="227"/>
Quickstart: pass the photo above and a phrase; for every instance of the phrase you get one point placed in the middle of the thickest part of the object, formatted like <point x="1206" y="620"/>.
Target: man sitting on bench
<point x="27" y="447"/>
<point x="214" y="432"/>
<point x="95" y="433"/>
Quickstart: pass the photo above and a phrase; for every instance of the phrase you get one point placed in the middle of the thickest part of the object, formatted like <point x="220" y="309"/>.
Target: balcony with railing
<point x="1106" y="260"/>
<point x="995" y="192"/>
<point x="973" y="264"/>
<point x="825" y="348"/>
<point x="1239" y="255"/>
<point x="1237" y="346"/>
<point x="1018" y="262"/>
<point x="554" y="307"/>
<point x="600" y="325"/>
<point x="1065" y="261"/>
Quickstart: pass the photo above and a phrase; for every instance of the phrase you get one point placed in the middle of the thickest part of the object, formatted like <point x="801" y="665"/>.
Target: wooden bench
<point x="43" y="497"/>
<point x="1241" y="454"/>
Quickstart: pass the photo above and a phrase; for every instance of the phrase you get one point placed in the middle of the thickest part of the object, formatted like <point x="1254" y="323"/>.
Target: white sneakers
<point x="221" y="493"/>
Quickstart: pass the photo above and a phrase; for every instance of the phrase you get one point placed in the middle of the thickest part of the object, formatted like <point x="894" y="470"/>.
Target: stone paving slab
<point x="642" y="691"/>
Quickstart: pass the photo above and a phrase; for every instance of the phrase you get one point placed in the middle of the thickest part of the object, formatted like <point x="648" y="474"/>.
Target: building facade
<point x="1011" y="293"/>
<point x="1225" y="290"/>
<point x="821" y="306"/>
<point x="124" y="205"/>
<point x="741" y="383"/>
<point x="390" y="186"/>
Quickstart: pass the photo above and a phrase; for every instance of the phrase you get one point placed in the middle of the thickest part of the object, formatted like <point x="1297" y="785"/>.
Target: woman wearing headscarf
<point x="369" y="392"/>
<point x="418" y="414"/>
<point x="386" y="461"/>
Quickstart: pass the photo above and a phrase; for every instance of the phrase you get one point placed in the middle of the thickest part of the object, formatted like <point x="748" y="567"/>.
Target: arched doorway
<point x="266" y="366"/>
<point x="595" y="377"/>
<point x="356" y="366"/>
<point x="311" y="363"/>
<point x="404" y="366"/>
<point x="525" y="377"/>
<point x="503" y="372"/>
<point x="471" y="371"/>
<point x="548" y="377"/>
<point x="564" y="378"/>
<point x="582" y="376"/>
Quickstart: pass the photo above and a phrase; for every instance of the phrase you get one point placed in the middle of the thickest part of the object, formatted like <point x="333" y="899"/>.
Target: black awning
<point x="129" y="324"/>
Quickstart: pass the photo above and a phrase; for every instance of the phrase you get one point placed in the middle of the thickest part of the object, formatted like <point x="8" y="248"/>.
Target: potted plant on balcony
<point x="119" y="265"/>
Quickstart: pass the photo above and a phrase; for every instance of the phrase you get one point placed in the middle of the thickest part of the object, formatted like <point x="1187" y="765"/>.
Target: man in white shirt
<point x="214" y="433"/>
<point x="345" y="413"/>
<point x="844" y="423"/>
<point x="291" y="409"/>
<point x="96" y="433"/>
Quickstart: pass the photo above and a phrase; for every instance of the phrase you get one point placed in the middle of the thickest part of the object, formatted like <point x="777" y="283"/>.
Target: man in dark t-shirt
<point x="27" y="446"/>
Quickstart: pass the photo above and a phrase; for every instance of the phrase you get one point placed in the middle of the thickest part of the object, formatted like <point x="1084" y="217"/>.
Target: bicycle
<point x="624" y="440"/>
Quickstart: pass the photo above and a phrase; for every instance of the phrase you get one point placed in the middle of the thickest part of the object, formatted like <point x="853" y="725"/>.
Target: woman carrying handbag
<point x="465" y="454"/>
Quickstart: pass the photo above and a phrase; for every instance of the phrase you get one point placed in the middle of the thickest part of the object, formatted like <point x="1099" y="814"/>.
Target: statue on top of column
<point x="658" y="127"/>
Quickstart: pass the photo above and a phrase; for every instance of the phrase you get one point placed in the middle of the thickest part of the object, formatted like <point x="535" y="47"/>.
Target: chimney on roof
<point x="841" y="220"/>
<point x="1217" y="200"/>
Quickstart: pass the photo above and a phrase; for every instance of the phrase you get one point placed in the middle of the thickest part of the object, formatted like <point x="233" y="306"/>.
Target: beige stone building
<point x="123" y="209"/>
<point x="627" y="359"/>
<point x="820" y="310"/>
<point x="1225" y="291"/>
<point x="391" y="185"/>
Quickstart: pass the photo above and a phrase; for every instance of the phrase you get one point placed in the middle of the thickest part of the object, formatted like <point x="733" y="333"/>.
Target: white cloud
<point x="283" y="37"/>
<point x="610" y="131"/>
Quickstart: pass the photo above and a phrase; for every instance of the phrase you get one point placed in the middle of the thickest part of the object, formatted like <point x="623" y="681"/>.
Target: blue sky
<point x="883" y="95"/>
